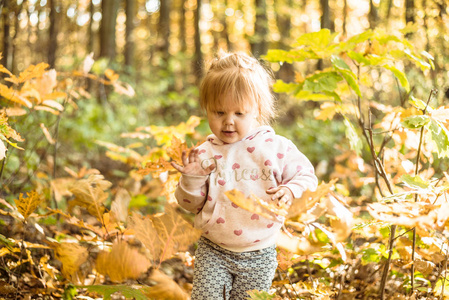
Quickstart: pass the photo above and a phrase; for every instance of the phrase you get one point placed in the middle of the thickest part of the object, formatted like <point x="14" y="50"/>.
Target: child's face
<point x="231" y="123"/>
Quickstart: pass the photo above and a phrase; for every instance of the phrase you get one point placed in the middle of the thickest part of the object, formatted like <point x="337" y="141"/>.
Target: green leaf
<point x="322" y="81"/>
<point x="355" y="40"/>
<point x="370" y="255"/>
<point x="359" y="57"/>
<point x="351" y="79"/>
<point x="310" y="96"/>
<point x="281" y="87"/>
<point x="418" y="103"/>
<point x="339" y="63"/>
<point x="414" y="122"/>
<point x="440" y="136"/>
<point x="108" y="290"/>
<point x="276" y="55"/>
<point x="354" y="140"/>
<point x="319" y="39"/>
<point x="415" y="182"/>
<point x="400" y="76"/>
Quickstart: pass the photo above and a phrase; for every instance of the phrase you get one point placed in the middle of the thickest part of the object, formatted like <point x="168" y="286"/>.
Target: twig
<point x="418" y="155"/>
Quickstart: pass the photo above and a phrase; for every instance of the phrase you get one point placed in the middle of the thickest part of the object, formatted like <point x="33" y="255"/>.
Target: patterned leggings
<point x="223" y="274"/>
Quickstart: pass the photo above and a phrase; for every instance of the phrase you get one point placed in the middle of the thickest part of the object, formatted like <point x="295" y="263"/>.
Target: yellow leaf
<point x="26" y="206"/>
<point x="122" y="262"/>
<point x="165" y="234"/>
<point x="31" y="72"/>
<point x="119" y="207"/>
<point x="147" y="234"/>
<point x="166" y="288"/>
<point x="46" y="108"/>
<point x="46" y="83"/>
<point x="72" y="256"/>
<point x="177" y="233"/>
<point x="296" y="244"/>
<point x="256" y="205"/>
<point x="53" y="104"/>
<point x="12" y="95"/>
<point x="90" y="193"/>
<point x="309" y="199"/>
<point x="47" y="134"/>
<point x="111" y="75"/>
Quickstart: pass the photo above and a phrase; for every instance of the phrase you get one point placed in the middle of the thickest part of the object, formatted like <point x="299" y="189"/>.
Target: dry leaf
<point x="256" y="205"/>
<point x="72" y="256"/>
<point x="47" y="134"/>
<point x="424" y="266"/>
<point x="90" y="194"/>
<point x="296" y="244"/>
<point x="309" y="199"/>
<point x="26" y="206"/>
<point x="61" y="186"/>
<point x="119" y="207"/>
<point x="175" y="231"/>
<point x="122" y="262"/>
<point x="165" y="288"/>
<point x="147" y="234"/>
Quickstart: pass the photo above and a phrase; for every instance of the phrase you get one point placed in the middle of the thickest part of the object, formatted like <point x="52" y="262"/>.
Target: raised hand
<point x="192" y="164"/>
<point x="282" y="194"/>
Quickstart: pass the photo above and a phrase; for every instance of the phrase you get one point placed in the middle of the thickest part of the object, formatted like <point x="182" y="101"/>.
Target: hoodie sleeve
<point x="191" y="192"/>
<point x="298" y="173"/>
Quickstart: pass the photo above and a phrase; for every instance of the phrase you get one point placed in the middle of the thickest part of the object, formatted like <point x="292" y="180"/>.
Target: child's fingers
<point x="177" y="167"/>
<point x="184" y="158"/>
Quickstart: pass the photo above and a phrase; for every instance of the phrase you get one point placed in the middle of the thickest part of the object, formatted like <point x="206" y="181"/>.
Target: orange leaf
<point x="165" y="288"/>
<point x="256" y="205"/>
<point x="26" y="206"/>
<point x="175" y="231"/>
<point x="90" y="194"/>
<point x="147" y="234"/>
<point x="31" y="72"/>
<point x="47" y="134"/>
<point x="111" y="75"/>
<point x="72" y="256"/>
<point x="119" y="207"/>
<point x="122" y="262"/>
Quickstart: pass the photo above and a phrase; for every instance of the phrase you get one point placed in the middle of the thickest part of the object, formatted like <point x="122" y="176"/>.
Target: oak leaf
<point x="257" y="205"/>
<point x="122" y="262"/>
<point x="27" y="205"/>
<point x="72" y="256"/>
<point x="90" y="193"/>
<point x="119" y="207"/>
<point x="165" y="288"/>
<point x="165" y="234"/>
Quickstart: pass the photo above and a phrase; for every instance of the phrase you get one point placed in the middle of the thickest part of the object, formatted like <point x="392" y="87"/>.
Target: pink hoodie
<point x="253" y="165"/>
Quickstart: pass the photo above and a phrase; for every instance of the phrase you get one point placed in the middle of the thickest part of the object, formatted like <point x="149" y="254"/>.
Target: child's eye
<point x="220" y="113"/>
<point x="239" y="114"/>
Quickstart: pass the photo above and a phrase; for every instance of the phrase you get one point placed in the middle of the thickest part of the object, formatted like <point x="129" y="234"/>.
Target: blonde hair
<point x="241" y="78"/>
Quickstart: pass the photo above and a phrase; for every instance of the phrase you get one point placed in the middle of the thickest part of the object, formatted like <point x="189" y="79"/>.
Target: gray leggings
<point x="223" y="274"/>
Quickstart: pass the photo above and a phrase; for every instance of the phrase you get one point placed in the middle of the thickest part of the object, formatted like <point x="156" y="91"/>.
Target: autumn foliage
<point x="380" y="217"/>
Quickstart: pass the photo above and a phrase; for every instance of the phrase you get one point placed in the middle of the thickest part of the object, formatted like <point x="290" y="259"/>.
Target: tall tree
<point x="284" y="23"/>
<point x="163" y="32"/>
<point x="182" y="26"/>
<point x="409" y="11"/>
<point x="130" y="8"/>
<point x="90" y="28"/>
<point x="373" y="15"/>
<point x="259" y="42"/>
<point x="198" y="61"/>
<point x="52" y="34"/>
<point x="325" y="14"/>
<point x="109" y="10"/>
<point x="5" y="9"/>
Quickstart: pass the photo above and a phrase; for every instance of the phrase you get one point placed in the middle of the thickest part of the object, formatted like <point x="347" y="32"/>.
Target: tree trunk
<point x="259" y="44"/>
<point x="409" y="14"/>
<point x="182" y="27"/>
<point x="198" y="60"/>
<point x="326" y="14"/>
<point x="109" y="9"/>
<point x="53" y="33"/>
<point x="163" y="32"/>
<point x="373" y="15"/>
<point x="284" y="23"/>
<point x="129" y="33"/>
<point x="6" y="35"/>
<point x="325" y="23"/>
<point x="90" y="43"/>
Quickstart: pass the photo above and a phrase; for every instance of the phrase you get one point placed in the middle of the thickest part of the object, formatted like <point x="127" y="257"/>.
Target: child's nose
<point x="229" y="120"/>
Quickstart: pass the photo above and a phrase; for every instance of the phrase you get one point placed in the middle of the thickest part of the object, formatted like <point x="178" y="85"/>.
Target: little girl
<point x="237" y="251"/>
